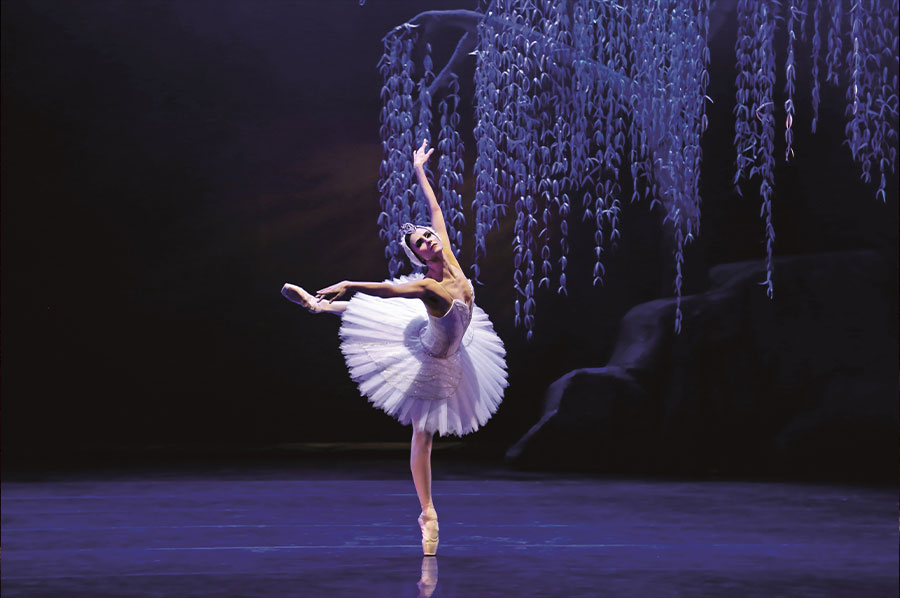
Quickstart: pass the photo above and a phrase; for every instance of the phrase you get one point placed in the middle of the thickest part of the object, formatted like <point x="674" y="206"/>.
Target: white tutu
<point x="443" y="375"/>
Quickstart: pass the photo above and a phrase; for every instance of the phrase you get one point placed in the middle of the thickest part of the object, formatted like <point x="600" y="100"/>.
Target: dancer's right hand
<point x="337" y="290"/>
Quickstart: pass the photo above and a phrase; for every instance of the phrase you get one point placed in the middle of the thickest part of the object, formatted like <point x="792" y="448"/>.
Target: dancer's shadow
<point x="428" y="580"/>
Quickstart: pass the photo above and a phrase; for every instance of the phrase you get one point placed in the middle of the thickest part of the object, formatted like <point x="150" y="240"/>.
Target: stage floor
<point x="348" y="528"/>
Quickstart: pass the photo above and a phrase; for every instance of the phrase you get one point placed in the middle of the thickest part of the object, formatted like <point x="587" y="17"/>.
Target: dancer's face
<point x="426" y="244"/>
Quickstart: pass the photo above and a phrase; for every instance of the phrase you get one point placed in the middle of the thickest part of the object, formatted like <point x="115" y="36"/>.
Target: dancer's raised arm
<point x="420" y="157"/>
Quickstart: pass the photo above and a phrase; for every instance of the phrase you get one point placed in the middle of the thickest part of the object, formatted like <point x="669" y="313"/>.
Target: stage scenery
<point x="451" y="298"/>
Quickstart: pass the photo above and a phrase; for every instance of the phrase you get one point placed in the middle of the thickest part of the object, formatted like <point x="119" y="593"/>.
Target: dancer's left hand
<point x="337" y="290"/>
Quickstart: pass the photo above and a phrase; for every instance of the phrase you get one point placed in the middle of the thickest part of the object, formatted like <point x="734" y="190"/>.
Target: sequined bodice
<point x="443" y="334"/>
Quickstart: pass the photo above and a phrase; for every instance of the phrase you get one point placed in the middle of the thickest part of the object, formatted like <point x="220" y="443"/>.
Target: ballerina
<point x="418" y="346"/>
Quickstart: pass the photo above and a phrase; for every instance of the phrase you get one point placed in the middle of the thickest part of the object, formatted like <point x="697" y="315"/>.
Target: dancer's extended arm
<point x="420" y="157"/>
<point x="425" y="288"/>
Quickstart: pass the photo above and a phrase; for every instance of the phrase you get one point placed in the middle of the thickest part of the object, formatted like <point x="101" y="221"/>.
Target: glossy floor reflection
<point x="319" y="529"/>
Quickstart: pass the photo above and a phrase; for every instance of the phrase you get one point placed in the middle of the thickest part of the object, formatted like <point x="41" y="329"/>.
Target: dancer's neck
<point x="439" y="269"/>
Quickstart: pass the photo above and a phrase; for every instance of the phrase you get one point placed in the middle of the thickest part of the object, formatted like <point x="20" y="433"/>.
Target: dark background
<point x="167" y="166"/>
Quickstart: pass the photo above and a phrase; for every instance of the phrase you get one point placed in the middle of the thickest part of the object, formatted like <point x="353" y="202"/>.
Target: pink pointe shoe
<point x="429" y="535"/>
<point x="299" y="296"/>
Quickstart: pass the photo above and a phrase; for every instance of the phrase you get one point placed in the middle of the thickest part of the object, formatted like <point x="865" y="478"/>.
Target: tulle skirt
<point x="453" y="395"/>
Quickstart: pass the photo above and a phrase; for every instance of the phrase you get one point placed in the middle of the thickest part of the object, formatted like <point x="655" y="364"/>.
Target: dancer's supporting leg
<point x="301" y="297"/>
<point x="420" y="465"/>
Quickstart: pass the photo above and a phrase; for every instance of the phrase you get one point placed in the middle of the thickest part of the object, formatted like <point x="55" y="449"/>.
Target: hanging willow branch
<point x="567" y="93"/>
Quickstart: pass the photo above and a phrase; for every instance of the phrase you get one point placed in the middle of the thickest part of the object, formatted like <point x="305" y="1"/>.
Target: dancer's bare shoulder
<point x="438" y="300"/>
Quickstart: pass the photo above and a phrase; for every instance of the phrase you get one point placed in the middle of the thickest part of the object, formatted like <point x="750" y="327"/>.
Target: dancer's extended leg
<point x="301" y="297"/>
<point x="420" y="465"/>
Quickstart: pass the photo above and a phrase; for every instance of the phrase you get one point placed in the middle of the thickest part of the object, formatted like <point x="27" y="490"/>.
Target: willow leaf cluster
<point x="866" y="64"/>
<point x="578" y="100"/>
